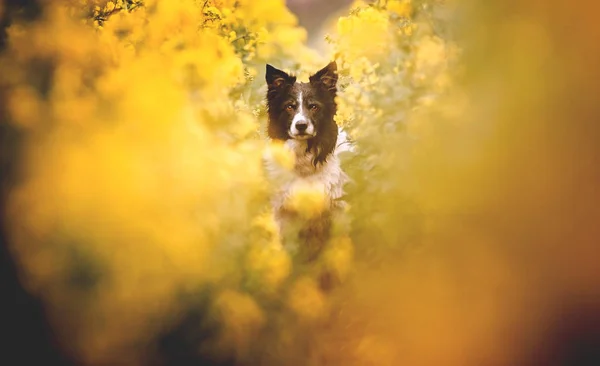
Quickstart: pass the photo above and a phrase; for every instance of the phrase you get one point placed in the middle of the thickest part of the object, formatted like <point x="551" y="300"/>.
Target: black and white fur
<point x="301" y="115"/>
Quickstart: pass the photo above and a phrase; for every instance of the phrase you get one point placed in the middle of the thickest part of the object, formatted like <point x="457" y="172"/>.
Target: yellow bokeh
<point x="138" y="206"/>
<point x="280" y="155"/>
<point x="400" y="7"/>
<point x="367" y="33"/>
<point x="308" y="199"/>
<point x="306" y="300"/>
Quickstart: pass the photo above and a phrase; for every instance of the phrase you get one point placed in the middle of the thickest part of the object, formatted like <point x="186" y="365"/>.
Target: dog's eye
<point x="313" y="107"/>
<point x="290" y="107"/>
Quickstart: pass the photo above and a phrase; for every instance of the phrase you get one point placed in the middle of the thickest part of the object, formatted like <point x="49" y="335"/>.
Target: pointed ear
<point x="276" y="78"/>
<point x="327" y="76"/>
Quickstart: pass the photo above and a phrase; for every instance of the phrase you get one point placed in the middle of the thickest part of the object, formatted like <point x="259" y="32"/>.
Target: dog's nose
<point x="301" y="126"/>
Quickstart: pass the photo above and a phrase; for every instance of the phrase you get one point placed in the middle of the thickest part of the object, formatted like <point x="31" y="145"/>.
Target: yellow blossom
<point x="282" y="156"/>
<point x="151" y="124"/>
<point x="338" y="256"/>
<point x="110" y="6"/>
<point x="400" y="7"/>
<point x="366" y="33"/>
<point x="306" y="300"/>
<point x="308" y="199"/>
<point x="242" y="319"/>
<point x="270" y="264"/>
<point x="431" y="51"/>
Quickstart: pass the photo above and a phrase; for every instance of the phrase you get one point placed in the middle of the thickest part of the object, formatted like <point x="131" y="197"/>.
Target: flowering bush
<point x="143" y="179"/>
<point x="140" y="215"/>
<point x="142" y="172"/>
<point x="396" y="59"/>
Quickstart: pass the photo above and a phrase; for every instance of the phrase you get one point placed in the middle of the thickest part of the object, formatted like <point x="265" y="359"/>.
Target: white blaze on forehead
<point x="301" y="117"/>
<point x="300" y="114"/>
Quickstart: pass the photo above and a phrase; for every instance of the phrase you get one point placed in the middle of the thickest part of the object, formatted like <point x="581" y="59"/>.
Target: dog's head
<point x="304" y="111"/>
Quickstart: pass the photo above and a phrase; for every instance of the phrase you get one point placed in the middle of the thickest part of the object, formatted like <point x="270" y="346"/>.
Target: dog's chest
<point x="328" y="176"/>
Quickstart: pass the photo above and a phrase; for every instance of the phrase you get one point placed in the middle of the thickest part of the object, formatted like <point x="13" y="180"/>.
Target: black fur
<point x="321" y="89"/>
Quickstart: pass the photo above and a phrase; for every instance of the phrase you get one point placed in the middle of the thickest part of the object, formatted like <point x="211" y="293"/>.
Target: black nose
<point x="301" y="126"/>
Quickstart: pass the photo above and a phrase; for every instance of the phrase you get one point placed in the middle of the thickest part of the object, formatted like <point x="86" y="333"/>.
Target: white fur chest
<point x="327" y="176"/>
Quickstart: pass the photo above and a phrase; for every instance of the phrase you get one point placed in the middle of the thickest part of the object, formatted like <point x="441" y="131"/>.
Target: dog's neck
<point x="305" y="153"/>
<point x="304" y="157"/>
<point x="328" y="173"/>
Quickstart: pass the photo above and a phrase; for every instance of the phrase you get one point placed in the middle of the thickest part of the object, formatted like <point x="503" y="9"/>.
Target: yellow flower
<point x="241" y="317"/>
<point x="270" y="264"/>
<point x="238" y="310"/>
<point x="110" y="6"/>
<point x="338" y="256"/>
<point x="364" y="34"/>
<point x="306" y="300"/>
<point x="308" y="199"/>
<point x="431" y="51"/>
<point x="279" y="154"/>
<point x="266" y="222"/>
<point x="400" y="7"/>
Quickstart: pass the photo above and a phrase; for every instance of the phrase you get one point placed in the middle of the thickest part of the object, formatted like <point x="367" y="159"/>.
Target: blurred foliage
<point x="142" y="174"/>
<point x="141" y="215"/>
<point x="397" y="58"/>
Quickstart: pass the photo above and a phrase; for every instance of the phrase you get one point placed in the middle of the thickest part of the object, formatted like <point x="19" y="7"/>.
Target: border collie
<point x="301" y="115"/>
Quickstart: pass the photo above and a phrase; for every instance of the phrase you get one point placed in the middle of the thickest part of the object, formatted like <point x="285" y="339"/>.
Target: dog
<point x="301" y="116"/>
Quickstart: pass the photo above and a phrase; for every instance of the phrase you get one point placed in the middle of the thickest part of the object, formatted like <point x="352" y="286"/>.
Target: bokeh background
<point x="317" y="17"/>
<point x="135" y="221"/>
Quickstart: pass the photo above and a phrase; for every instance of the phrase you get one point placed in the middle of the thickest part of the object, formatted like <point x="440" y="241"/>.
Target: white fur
<point x="329" y="174"/>
<point x="301" y="117"/>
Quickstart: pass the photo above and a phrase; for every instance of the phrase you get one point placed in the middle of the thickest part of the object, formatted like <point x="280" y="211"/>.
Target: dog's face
<point x="303" y="111"/>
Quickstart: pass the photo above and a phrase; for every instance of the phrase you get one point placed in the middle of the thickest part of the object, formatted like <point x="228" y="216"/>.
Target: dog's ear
<point x="327" y="76"/>
<point x="277" y="78"/>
